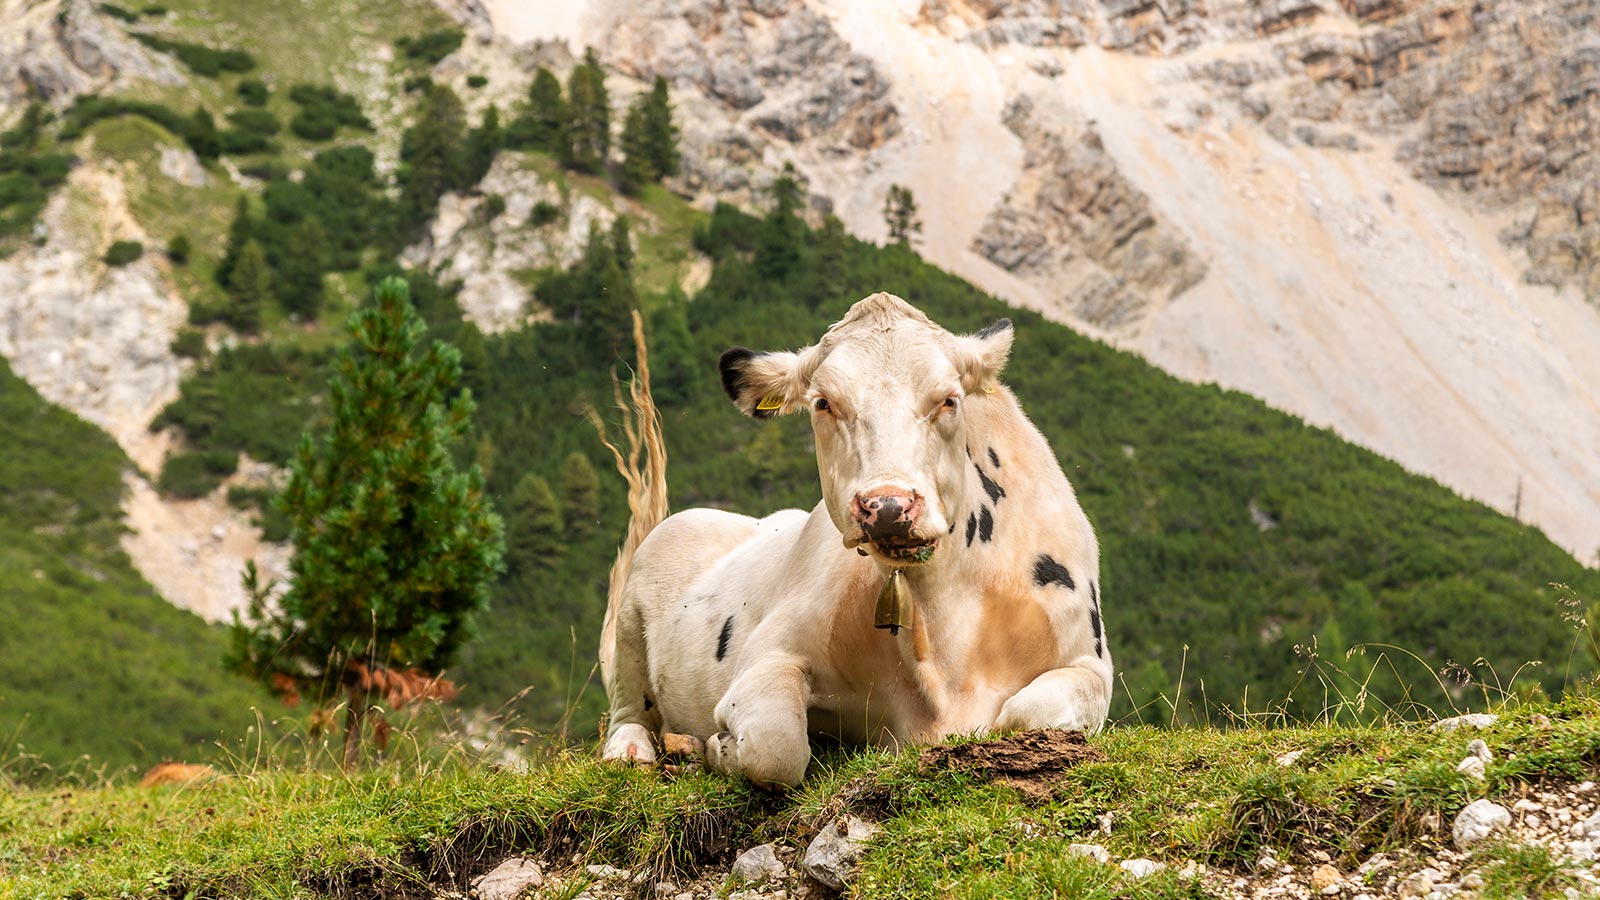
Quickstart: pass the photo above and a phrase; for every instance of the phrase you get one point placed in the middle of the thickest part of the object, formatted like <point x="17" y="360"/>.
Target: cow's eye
<point x="820" y="404"/>
<point x="950" y="404"/>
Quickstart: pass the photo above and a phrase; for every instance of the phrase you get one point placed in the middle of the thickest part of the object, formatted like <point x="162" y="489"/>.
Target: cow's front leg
<point x="763" y="722"/>
<point x="1077" y="697"/>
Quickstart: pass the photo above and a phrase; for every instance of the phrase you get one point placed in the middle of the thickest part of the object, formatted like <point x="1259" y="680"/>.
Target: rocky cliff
<point x="1378" y="214"/>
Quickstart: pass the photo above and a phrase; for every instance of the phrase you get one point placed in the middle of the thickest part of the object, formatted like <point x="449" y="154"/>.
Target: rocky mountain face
<point x="1378" y="214"/>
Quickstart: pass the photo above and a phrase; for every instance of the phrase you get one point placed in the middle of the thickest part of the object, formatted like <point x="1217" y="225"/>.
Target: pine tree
<point x="239" y="233"/>
<point x="434" y="152"/>
<point x="661" y="134"/>
<point x="544" y="120"/>
<point x="586" y="143"/>
<point x="580" y="495"/>
<point x="482" y="144"/>
<point x="395" y="548"/>
<point x="900" y="214"/>
<point x="202" y="136"/>
<point x="829" y="264"/>
<point x="607" y="294"/>
<point x="677" y="371"/>
<point x="306" y="259"/>
<point x="249" y="289"/>
<point x="638" y="168"/>
<point x="781" y="240"/>
<point x="622" y="243"/>
<point x="535" y="533"/>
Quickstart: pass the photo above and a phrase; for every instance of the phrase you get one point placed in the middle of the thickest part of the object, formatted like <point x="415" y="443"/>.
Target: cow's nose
<point x="887" y="512"/>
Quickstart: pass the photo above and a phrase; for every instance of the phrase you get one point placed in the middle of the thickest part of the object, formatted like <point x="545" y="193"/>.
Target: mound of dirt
<point x="1029" y="761"/>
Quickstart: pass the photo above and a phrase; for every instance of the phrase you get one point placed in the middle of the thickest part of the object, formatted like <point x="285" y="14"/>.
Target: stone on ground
<point x="1481" y="819"/>
<point x="508" y="880"/>
<point x="1141" y="868"/>
<point x="757" y="865"/>
<point x="834" y="855"/>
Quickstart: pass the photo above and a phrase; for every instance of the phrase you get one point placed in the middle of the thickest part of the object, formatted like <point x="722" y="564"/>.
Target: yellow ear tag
<point x="771" y="401"/>
<point x="988" y="389"/>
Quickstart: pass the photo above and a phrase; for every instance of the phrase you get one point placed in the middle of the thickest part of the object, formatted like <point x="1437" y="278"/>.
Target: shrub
<point x="117" y="12"/>
<point x="476" y="81"/>
<point x="266" y="169"/>
<point x="272" y="521"/>
<point x="544" y="212"/>
<point x="198" y="130"/>
<point x="494" y="206"/>
<point x="196" y="473"/>
<point x="253" y="91"/>
<point x="252" y="132"/>
<point x="200" y="59"/>
<point x="123" y="252"/>
<point x="418" y="83"/>
<point x="433" y="46"/>
<point x="153" y="11"/>
<point x="322" y="110"/>
<point x="189" y="344"/>
<point x="178" y="249"/>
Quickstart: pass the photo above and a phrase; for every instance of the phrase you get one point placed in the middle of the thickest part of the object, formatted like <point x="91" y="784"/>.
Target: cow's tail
<point x="644" y="466"/>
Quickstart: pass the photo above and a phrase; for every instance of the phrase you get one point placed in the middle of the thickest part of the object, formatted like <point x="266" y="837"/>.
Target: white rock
<point x="836" y="851"/>
<point x="1583" y="852"/>
<point x="665" y="889"/>
<point x="1526" y="806"/>
<point x="510" y="879"/>
<point x="1141" y="868"/>
<point x="1288" y="759"/>
<point x="1472" y="767"/>
<point x="1092" y="851"/>
<point x="1586" y="827"/>
<point x="1479" y="820"/>
<point x="1481" y="750"/>
<point x="606" y="873"/>
<point x="1470" y="720"/>
<point x="757" y="865"/>
<point x="1266" y="864"/>
<point x="1472" y="881"/>
<point x="1417" y="885"/>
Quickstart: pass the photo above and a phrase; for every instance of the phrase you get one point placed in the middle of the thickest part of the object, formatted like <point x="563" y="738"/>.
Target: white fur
<point x="802" y="656"/>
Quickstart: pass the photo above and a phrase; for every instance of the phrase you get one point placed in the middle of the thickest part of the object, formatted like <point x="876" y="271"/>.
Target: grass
<point x="405" y="828"/>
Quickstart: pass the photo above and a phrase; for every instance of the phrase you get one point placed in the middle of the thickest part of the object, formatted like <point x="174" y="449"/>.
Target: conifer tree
<point x="638" y="168"/>
<point x="622" y="243"/>
<point x="832" y="256"/>
<point x="434" y="153"/>
<point x="900" y="214"/>
<point x="580" y="495"/>
<point x="249" y="289"/>
<point x="395" y="547"/>
<point x="306" y="259"/>
<point x="543" y="122"/>
<point x="535" y="539"/>
<point x="586" y="142"/>
<point x="240" y="232"/>
<point x="661" y="134"/>
<point x="482" y="144"/>
<point x="781" y="240"/>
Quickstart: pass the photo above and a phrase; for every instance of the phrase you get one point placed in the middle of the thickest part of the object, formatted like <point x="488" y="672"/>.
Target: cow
<point x="944" y="516"/>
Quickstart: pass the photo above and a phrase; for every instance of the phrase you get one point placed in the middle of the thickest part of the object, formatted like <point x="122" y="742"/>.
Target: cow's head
<point x="885" y="389"/>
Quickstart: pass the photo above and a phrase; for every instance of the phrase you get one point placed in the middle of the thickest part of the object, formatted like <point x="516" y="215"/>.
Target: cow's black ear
<point x="979" y="358"/>
<point x="760" y="384"/>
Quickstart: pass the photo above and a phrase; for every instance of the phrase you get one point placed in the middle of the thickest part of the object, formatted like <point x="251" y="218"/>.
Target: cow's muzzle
<point x="888" y="518"/>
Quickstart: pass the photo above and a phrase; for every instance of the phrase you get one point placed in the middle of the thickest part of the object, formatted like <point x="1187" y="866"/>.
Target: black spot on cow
<point x="985" y="525"/>
<point x="994" y="458"/>
<point x="723" y="638"/>
<point x="972" y="527"/>
<point x="1047" y="571"/>
<point x="994" y="490"/>
<point x="1094" y="619"/>
<point x="952" y="528"/>
<point x="648" y="703"/>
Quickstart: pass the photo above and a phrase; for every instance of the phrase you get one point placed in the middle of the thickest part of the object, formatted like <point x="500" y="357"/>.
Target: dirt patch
<point x="1029" y="762"/>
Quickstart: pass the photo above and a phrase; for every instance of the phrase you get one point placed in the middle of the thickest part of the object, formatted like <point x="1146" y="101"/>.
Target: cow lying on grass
<point x="753" y="634"/>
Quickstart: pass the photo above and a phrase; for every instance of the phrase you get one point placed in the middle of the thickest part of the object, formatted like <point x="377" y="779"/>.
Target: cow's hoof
<point x="630" y="744"/>
<point x="683" y="745"/>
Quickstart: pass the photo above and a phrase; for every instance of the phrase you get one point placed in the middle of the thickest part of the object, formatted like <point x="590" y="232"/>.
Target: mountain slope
<point x="93" y="662"/>
<point x="1377" y="216"/>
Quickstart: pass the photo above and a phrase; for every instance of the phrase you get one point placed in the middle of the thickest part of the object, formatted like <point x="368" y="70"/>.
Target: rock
<point x="1141" y="868"/>
<point x="1267" y="863"/>
<point x="607" y="873"/>
<point x="1472" y="767"/>
<point x="1583" y="852"/>
<point x="181" y="165"/>
<point x="1288" y="759"/>
<point x="1092" y="851"/>
<point x="1587" y="828"/>
<point x="508" y="880"/>
<point x="1325" y="876"/>
<point x="1419" y="884"/>
<point x="1480" y="819"/>
<point x="1471" y="881"/>
<point x="757" y="865"/>
<point x="1470" y="720"/>
<point x="836" y="851"/>
<point x="1480" y="750"/>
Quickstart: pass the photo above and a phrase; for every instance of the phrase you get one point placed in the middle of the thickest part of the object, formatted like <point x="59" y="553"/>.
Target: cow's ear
<point x="980" y="357"/>
<point x="760" y="384"/>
